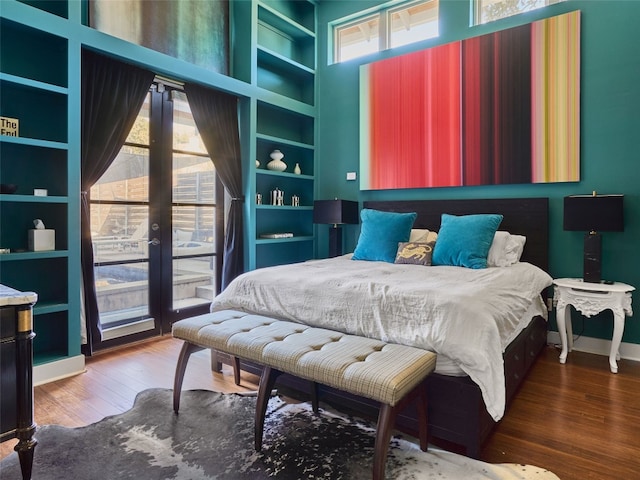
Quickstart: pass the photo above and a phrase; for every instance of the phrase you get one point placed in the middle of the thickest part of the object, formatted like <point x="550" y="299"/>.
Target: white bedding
<point x="466" y="315"/>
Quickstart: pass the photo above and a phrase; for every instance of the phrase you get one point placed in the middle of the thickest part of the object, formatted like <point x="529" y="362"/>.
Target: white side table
<point x="591" y="299"/>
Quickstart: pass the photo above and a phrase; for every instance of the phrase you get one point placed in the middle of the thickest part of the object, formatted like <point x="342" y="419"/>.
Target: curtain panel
<point x="216" y="116"/>
<point x="112" y="94"/>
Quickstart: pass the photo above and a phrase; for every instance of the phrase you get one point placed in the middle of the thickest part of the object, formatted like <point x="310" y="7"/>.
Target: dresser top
<point x="10" y="296"/>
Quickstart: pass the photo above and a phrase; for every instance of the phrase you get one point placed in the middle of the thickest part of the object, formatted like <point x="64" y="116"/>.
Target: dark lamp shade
<point x="335" y="212"/>
<point x="589" y="213"/>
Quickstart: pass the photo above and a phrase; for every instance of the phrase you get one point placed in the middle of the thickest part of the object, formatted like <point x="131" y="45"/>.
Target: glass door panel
<point x="192" y="212"/>
<point x="119" y="226"/>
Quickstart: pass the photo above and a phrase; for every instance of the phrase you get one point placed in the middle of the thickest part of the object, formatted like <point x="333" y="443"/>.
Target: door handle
<point x="154" y="241"/>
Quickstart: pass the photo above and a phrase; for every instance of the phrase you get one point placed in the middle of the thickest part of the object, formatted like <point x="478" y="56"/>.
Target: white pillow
<point x="514" y="249"/>
<point x="506" y="249"/>
<point x="422" y="235"/>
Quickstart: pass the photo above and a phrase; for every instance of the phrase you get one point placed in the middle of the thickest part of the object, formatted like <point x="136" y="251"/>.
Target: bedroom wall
<point x="610" y="143"/>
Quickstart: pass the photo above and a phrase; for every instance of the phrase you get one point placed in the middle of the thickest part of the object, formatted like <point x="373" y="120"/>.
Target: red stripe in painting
<point x="415" y="119"/>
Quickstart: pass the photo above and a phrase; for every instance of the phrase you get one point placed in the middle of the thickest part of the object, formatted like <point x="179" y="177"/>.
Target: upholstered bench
<point x="388" y="373"/>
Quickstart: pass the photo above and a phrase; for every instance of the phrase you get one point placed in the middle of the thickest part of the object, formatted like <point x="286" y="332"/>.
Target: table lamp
<point x="593" y="213"/>
<point x="336" y="213"/>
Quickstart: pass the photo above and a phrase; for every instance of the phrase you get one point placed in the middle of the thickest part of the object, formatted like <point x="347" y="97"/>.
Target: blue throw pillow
<point x="380" y="234"/>
<point x="464" y="241"/>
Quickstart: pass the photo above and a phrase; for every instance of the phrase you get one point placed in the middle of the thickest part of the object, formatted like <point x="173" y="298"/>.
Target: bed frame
<point x="458" y="418"/>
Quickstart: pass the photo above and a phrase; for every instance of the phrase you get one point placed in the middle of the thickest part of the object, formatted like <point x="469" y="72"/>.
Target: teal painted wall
<point x="610" y="134"/>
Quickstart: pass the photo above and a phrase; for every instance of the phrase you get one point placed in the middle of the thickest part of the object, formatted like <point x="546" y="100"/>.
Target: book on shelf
<point x="276" y="235"/>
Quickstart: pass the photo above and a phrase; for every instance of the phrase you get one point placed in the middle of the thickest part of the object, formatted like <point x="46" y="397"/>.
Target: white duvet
<point x="467" y="315"/>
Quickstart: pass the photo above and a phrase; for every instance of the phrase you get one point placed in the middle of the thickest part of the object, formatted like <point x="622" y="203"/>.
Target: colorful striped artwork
<point x="501" y="108"/>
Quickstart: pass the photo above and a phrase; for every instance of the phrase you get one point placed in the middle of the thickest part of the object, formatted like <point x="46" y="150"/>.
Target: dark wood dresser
<point x="16" y="368"/>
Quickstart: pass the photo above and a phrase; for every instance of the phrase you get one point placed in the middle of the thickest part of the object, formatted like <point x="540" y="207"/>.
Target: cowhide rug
<point x="212" y="438"/>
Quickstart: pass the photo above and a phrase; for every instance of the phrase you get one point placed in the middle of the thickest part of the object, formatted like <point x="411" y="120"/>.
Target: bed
<point x="464" y="402"/>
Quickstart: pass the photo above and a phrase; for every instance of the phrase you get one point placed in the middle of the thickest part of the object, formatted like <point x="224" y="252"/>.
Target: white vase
<point x="276" y="163"/>
<point x="297" y="170"/>
<point x="257" y="163"/>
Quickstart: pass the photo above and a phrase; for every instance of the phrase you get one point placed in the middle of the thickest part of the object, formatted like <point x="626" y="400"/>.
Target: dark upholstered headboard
<point x="522" y="216"/>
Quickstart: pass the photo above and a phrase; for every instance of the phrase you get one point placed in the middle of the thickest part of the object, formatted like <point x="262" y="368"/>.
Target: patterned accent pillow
<point x="414" y="253"/>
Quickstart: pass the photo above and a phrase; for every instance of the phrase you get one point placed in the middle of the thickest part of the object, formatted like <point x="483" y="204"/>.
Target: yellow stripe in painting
<point x="556" y="99"/>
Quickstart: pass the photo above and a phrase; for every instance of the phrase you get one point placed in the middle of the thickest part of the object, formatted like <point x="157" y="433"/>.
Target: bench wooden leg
<point x="185" y="353"/>
<point x="423" y="421"/>
<point x="315" y="402"/>
<point x="236" y="370"/>
<point x="216" y="366"/>
<point x="386" y="421"/>
<point x="267" y="381"/>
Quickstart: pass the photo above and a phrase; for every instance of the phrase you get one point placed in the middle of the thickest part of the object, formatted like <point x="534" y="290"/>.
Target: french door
<point x="157" y="224"/>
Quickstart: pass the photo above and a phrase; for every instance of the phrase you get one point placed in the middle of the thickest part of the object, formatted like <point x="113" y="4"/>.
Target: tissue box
<point x="43" y="239"/>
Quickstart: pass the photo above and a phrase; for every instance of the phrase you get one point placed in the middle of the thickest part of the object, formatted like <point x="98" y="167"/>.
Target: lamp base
<point x="592" y="254"/>
<point x="335" y="241"/>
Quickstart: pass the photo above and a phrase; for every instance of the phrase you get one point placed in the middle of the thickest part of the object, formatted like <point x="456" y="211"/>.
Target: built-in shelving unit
<point x="35" y="91"/>
<point x="285" y="62"/>
<point x="273" y="62"/>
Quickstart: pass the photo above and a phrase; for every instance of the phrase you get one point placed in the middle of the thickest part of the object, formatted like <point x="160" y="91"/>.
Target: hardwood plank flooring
<point x="578" y="420"/>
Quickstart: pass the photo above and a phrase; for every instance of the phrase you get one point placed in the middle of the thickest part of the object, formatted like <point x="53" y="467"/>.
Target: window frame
<point x="383" y="13"/>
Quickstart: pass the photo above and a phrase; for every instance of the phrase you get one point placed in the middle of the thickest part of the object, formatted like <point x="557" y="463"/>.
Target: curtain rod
<point x="169" y="83"/>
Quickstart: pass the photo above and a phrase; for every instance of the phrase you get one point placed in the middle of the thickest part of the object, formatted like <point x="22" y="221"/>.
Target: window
<point x="490" y="10"/>
<point x="389" y="27"/>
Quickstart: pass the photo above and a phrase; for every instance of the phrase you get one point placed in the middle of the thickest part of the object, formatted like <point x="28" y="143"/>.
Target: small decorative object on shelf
<point x="40" y="192"/>
<point x="277" y="235"/>
<point x="276" y="164"/>
<point x="257" y="163"/>
<point x="277" y="197"/>
<point x="9" y="126"/>
<point x="41" y="238"/>
<point x="258" y="199"/>
<point x="295" y="201"/>
<point x="8" y="188"/>
<point x="297" y="170"/>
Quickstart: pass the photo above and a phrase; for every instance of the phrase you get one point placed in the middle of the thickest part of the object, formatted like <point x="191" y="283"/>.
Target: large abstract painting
<point x="500" y="108"/>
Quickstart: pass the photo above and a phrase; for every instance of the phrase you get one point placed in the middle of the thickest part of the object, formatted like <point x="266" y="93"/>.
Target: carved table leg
<point x="563" y="318"/>
<point x="618" y="329"/>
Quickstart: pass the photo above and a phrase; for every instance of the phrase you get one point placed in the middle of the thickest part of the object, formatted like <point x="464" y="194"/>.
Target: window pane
<point x="490" y="10"/>
<point x="119" y="232"/>
<point x="193" y="232"/>
<point x="358" y="39"/>
<point x="193" y="179"/>
<point x="193" y="281"/>
<point x="127" y="178"/>
<point x="185" y="132"/>
<point x="415" y="23"/>
<point x="123" y="293"/>
<point x="140" y="131"/>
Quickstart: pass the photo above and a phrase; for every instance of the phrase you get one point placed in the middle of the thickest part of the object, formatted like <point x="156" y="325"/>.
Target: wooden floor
<point x="577" y="420"/>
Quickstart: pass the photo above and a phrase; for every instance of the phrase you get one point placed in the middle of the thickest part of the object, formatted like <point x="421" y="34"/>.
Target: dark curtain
<point x="216" y="116"/>
<point x="112" y="95"/>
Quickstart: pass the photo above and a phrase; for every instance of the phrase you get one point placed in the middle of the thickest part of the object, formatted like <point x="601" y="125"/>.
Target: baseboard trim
<point x="52" y="371"/>
<point x="599" y="346"/>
